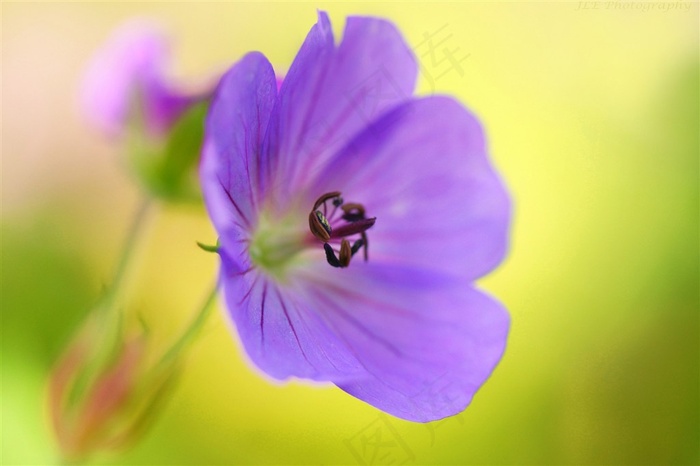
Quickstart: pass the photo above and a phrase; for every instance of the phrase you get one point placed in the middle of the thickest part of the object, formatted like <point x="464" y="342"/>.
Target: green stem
<point x="135" y="229"/>
<point x="192" y="330"/>
<point x="109" y="321"/>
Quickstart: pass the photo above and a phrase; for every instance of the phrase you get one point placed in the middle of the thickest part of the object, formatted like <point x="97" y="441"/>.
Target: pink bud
<point x="98" y="405"/>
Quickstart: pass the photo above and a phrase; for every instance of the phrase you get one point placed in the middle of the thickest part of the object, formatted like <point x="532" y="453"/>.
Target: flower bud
<point x="104" y="403"/>
<point x="128" y="82"/>
<point x="128" y="95"/>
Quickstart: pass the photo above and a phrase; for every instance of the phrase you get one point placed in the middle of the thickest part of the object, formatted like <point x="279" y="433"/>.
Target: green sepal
<point x="208" y="247"/>
<point x="168" y="169"/>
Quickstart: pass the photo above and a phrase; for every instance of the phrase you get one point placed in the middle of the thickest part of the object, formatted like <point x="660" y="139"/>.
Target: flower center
<point x="277" y="242"/>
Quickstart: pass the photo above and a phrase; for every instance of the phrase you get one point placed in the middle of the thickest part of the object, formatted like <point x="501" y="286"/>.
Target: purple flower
<point x="353" y="219"/>
<point x="129" y="74"/>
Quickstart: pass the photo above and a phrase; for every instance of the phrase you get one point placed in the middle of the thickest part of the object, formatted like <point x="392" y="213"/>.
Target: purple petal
<point x="427" y="342"/>
<point x="136" y="51"/>
<point x="412" y="343"/>
<point x="283" y="335"/>
<point x="235" y="126"/>
<point x="331" y="94"/>
<point x="423" y="171"/>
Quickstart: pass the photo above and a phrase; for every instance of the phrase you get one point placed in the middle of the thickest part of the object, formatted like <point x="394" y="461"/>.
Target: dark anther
<point x="357" y="245"/>
<point x="330" y="255"/>
<point x="323" y="221"/>
<point x="346" y="252"/>
<point x="351" y="222"/>
<point x="319" y="226"/>
<point x="353" y="212"/>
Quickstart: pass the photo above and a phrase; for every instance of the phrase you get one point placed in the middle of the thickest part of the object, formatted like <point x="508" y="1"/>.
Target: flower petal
<point x="423" y="171"/>
<point x="331" y="94"/>
<point x="235" y="126"/>
<point x="283" y="335"/>
<point x="427" y="342"/>
<point x="131" y="69"/>
<point x="136" y="52"/>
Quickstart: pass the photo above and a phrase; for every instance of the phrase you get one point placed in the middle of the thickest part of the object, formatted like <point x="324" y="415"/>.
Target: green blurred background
<point x="592" y="116"/>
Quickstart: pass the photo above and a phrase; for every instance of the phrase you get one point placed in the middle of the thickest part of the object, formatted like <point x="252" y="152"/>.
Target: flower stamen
<point x="355" y="223"/>
<point x="319" y="226"/>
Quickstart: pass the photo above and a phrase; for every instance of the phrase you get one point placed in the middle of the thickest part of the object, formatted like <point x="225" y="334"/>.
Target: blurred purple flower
<point x="128" y="75"/>
<point x="401" y="328"/>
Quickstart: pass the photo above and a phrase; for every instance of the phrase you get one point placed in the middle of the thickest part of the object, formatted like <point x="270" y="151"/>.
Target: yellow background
<point x="591" y="111"/>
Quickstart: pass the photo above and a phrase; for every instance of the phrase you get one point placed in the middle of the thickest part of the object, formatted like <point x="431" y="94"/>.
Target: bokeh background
<point x="591" y="111"/>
